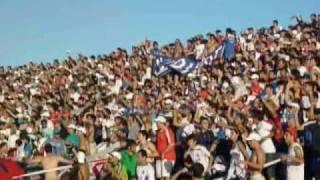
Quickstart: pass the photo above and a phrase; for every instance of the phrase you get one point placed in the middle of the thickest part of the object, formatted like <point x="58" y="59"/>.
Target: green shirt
<point x="74" y="139"/>
<point x="130" y="162"/>
<point x="121" y="173"/>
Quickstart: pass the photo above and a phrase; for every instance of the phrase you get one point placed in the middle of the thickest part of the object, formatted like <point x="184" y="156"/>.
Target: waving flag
<point x="162" y="66"/>
<point x="183" y="65"/>
<point x="219" y="52"/>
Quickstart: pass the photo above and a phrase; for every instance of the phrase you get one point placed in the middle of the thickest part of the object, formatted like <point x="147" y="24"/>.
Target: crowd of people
<point x="111" y="118"/>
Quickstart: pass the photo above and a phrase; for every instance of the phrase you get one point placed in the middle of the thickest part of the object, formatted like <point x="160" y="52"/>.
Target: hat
<point x="161" y="119"/>
<point x="72" y="126"/>
<point x="254" y="76"/>
<point x="45" y="114"/>
<point x="253" y="137"/>
<point x="167" y="95"/>
<point x="116" y="155"/>
<point x="129" y="96"/>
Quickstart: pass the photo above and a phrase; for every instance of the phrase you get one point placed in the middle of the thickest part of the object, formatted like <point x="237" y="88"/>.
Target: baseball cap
<point x="116" y="155"/>
<point x="161" y="119"/>
<point x="254" y="76"/>
<point x="72" y="126"/>
<point x="253" y="137"/>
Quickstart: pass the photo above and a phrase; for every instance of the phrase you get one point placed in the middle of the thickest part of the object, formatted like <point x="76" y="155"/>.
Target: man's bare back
<point x="49" y="162"/>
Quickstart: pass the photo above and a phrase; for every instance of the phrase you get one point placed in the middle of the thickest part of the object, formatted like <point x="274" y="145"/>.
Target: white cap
<point x="253" y="137"/>
<point x="45" y="114"/>
<point x="277" y="36"/>
<point x="253" y="70"/>
<point x="129" y="96"/>
<point x="116" y="155"/>
<point x="254" y="76"/>
<point x="81" y="157"/>
<point x="167" y="95"/>
<point x="72" y="126"/>
<point x="235" y="80"/>
<point x="225" y="85"/>
<point x="161" y="119"/>
<point x="168" y="102"/>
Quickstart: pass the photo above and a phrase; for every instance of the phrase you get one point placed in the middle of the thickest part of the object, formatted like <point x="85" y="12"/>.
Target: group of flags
<point x="162" y="65"/>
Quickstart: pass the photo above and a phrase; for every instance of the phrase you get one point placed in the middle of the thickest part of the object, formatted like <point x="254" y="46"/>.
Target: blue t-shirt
<point x="229" y="49"/>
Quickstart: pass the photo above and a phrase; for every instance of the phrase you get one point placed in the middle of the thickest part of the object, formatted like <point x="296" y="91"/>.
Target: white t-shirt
<point x="294" y="171"/>
<point x="12" y="140"/>
<point x="146" y="172"/>
<point x="263" y="129"/>
<point x="236" y="167"/>
<point x="201" y="155"/>
<point x="199" y="50"/>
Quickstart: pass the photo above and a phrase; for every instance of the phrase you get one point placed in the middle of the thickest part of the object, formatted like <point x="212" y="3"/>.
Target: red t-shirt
<point x="165" y="138"/>
<point x="204" y="94"/>
<point x="9" y="169"/>
<point x="279" y="131"/>
<point x="55" y="116"/>
<point x="255" y="89"/>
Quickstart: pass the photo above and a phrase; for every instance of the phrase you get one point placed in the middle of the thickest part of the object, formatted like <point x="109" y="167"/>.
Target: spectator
<point x="198" y="153"/>
<point x="49" y="161"/>
<point x="144" y="170"/>
<point x="58" y="146"/>
<point x="129" y="159"/>
<point x="256" y="162"/>
<point x="118" y="171"/>
<point x="166" y="149"/>
<point x="295" y="162"/>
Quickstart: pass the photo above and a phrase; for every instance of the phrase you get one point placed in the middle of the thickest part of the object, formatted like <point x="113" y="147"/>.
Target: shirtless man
<point x="256" y="162"/>
<point x="84" y="143"/>
<point x="50" y="161"/>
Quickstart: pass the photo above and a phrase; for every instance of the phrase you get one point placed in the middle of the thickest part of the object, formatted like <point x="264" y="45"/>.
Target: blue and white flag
<point x="218" y="53"/>
<point x="162" y="66"/>
<point x="183" y="65"/>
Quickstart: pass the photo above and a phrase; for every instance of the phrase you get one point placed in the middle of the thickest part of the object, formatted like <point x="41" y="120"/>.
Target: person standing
<point x="145" y="171"/>
<point x="198" y="153"/>
<point x="166" y="149"/>
<point x="257" y="160"/>
<point x="295" y="161"/>
<point x="49" y="161"/>
<point x="129" y="159"/>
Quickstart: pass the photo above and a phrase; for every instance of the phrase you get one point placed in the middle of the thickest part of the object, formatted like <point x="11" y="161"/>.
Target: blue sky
<point x="42" y="30"/>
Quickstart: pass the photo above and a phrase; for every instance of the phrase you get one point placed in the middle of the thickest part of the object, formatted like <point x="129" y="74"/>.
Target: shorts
<point x="164" y="168"/>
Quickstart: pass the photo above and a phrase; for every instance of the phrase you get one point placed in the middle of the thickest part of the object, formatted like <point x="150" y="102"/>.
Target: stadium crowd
<point x="253" y="98"/>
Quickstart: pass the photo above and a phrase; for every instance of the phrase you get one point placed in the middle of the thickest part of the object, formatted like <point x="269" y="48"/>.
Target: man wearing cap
<point x="118" y="170"/>
<point x="166" y="148"/>
<point x="256" y="162"/>
<point x="295" y="161"/>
